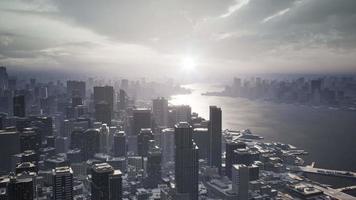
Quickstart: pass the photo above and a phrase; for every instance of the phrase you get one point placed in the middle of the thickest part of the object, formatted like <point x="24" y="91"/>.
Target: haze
<point x="205" y="38"/>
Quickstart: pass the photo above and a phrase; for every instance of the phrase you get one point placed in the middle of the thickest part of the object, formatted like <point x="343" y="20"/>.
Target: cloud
<point x="140" y="36"/>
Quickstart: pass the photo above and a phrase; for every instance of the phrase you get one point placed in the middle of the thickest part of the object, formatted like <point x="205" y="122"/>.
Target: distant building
<point x="119" y="144"/>
<point x="160" y="111"/>
<point x="62" y="183"/>
<point x="186" y="161"/>
<point x="19" y="106"/>
<point x="154" y="159"/>
<point x="143" y="141"/>
<point x="104" y="94"/>
<point x="141" y="119"/>
<point x="167" y="145"/>
<point x="106" y="183"/>
<point x="91" y="143"/>
<point x="103" y="112"/>
<point x="183" y="113"/>
<point x="76" y="89"/>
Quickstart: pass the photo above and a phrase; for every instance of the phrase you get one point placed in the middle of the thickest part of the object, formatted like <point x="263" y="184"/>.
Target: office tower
<point x="154" y="159"/>
<point x="62" y="144"/>
<point x="19" y="106"/>
<point x="76" y="138"/>
<point x="103" y="113"/>
<point x="11" y="142"/>
<point x="240" y="181"/>
<point x="231" y="146"/>
<point x="30" y="139"/>
<point x="62" y="183"/>
<point x="119" y="146"/>
<point x="20" y="188"/>
<point x="183" y="113"/>
<point x="104" y="94"/>
<point x="141" y="119"/>
<point x="76" y="89"/>
<point x="124" y="84"/>
<point x="143" y="141"/>
<point x="160" y="111"/>
<point x="104" y="139"/>
<point x="186" y="161"/>
<point x="91" y="143"/>
<point x="245" y="156"/>
<point x="3" y="79"/>
<point x="44" y="124"/>
<point x="123" y="100"/>
<point x="106" y="183"/>
<point x="214" y="156"/>
<point x="201" y="138"/>
<point x="167" y="145"/>
<point x="254" y="172"/>
<point x="76" y="101"/>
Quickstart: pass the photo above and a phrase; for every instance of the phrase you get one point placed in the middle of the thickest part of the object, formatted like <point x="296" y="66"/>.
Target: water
<point x="328" y="135"/>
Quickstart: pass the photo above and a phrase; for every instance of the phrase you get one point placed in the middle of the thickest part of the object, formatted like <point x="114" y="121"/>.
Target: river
<point x="328" y="135"/>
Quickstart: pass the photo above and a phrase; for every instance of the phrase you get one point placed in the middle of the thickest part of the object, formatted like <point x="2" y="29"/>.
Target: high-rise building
<point x="119" y="146"/>
<point x="104" y="94"/>
<point x="160" y="111"/>
<point x="106" y="183"/>
<point x="3" y="79"/>
<point x="183" y="113"/>
<point x="76" y="89"/>
<point x="141" y="119"/>
<point x="123" y="100"/>
<point x="154" y="159"/>
<point x="240" y="181"/>
<point x="30" y="139"/>
<point x="215" y="129"/>
<point x="231" y="146"/>
<point x="186" y="161"/>
<point x="19" y="106"/>
<point x="143" y="141"/>
<point x="62" y="183"/>
<point x="201" y="138"/>
<point x="11" y="141"/>
<point x="103" y="113"/>
<point x="167" y="145"/>
<point x="20" y="188"/>
<point x="91" y="143"/>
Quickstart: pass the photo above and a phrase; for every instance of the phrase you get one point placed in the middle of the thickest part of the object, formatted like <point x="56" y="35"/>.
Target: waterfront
<point x="328" y="135"/>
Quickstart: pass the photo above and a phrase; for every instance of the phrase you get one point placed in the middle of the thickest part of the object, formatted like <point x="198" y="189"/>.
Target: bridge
<point x="346" y="189"/>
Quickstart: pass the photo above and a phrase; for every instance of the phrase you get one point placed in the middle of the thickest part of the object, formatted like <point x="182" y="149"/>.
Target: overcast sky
<point x="157" y="37"/>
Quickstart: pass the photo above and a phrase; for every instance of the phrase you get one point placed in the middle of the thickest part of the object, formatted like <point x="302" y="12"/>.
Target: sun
<point x="188" y="63"/>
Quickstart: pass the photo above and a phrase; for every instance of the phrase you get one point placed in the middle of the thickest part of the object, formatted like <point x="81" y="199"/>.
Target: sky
<point x="206" y="38"/>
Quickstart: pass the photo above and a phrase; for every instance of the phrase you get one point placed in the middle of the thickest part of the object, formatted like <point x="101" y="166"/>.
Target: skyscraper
<point x="231" y="146"/>
<point x="19" y="106"/>
<point x="141" y="119"/>
<point x="143" y="141"/>
<point x="20" y="188"/>
<point x="76" y="89"/>
<point x="3" y="79"/>
<point x="10" y="140"/>
<point x="186" y="161"/>
<point x="62" y="183"/>
<point x="240" y="181"/>
<point x="119" y="146"/>
<point x="154" y="159"/>
<point x="214" y="156"/>
<point x="183" y="113"/>
<point x="91" y="143"/>
<point x="103" y="112"/>
<point x="106" y="94"/>
<point x="160" y="111"/>
<point x="106" y="182"/>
